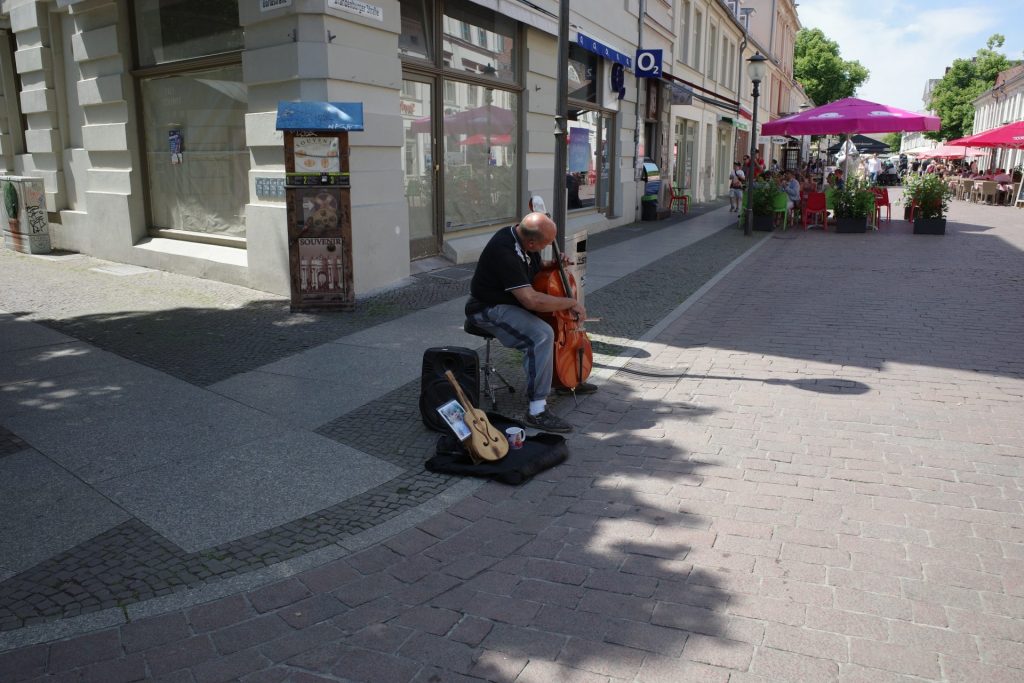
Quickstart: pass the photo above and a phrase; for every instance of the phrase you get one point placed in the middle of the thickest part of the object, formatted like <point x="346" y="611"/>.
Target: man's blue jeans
<point x="518" y="328"/>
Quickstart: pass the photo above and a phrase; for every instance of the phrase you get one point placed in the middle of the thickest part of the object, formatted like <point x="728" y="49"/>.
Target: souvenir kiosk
<point x="318" y="201"/>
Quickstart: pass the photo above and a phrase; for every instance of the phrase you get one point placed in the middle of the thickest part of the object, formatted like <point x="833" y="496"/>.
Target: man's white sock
<point x="537" y="407"/>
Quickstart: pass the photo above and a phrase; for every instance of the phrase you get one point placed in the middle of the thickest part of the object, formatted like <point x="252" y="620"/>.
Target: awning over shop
<point x="733" y="121"/>
<point x="680" y="94"/>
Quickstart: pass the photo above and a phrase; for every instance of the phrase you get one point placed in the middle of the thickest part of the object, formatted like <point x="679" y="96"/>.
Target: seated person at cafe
<point x="1004" y="185"/>
<point x="840" y="179"/>
<point x="808" y="185"/>
<point x="791" y="186"/>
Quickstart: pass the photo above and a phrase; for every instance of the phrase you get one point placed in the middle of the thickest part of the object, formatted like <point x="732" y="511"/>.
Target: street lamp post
<point x="756" y="70"/>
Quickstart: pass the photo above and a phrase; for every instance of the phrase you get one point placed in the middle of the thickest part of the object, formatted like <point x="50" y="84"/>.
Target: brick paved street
<point x="812" y="473"/>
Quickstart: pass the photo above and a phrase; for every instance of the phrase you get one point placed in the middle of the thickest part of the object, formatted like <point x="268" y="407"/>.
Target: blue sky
<point x="905" y="42"/>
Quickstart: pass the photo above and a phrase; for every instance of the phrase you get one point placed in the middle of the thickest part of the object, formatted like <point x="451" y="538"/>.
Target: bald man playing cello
<point x="503" y="302"/>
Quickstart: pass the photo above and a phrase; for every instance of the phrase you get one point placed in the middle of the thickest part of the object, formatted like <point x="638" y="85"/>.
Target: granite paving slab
<point x="52" y="360"/>
<point x="439" y="325"/>
<point x="62" y="510"/>
<point x="18" y="334"/>
<point x="246" y="488"/>
<point x="92" y="390"/>
<point x="132" y="436"/>
<point x="318" y="385"/>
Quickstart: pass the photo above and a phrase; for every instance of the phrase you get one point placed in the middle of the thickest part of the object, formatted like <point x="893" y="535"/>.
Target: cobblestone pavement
<point x="813" y="473"/>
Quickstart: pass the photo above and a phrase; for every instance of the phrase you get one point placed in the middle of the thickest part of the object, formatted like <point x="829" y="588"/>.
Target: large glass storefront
<point x="193" y="101"/>
<point x="590" y="170"/>
<point x="460" y="111"/>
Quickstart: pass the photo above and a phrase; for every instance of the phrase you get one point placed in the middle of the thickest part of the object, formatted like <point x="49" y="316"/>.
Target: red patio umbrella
<point x="949" y="151"/>
<point x="1010" y="136"/>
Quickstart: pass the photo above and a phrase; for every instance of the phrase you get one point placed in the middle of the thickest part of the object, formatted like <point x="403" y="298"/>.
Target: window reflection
<point x="416" y="39"/>
<point x="480" y="157"/>
<point x="582" y="74"/>
<point x="492" y="53"/>
<point x="172" y="30"/>
<point x="589" y="159"/>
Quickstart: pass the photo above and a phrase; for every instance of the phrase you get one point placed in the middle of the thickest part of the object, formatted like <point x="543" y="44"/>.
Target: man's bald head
<point x="537" y="231"/>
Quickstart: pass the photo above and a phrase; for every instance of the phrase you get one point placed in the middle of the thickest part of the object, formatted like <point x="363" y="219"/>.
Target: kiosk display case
<point x="318" y="201"/>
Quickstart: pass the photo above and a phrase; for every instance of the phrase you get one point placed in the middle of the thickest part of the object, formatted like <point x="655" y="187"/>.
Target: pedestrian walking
<point x="736" y="180"/>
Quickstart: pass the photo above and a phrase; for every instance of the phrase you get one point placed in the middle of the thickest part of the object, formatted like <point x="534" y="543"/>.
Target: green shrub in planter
<point x="762" y="202"/>
<point x="764" y="197"/>
<point x="931" y="195"/>
<point x="852" y="205"/>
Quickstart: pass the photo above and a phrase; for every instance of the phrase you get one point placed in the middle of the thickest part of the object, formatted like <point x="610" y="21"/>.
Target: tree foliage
<point x="893" y="140"/>
<point x="953" y="96"/>
<point x="825" y="75"/>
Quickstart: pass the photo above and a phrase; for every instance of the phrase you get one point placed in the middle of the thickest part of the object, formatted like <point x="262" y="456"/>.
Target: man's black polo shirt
<point x="504" y="265"/>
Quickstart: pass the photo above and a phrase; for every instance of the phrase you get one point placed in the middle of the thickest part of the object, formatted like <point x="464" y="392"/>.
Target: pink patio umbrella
<point x="1010" y="136"/>
<point x="849" y="116"/>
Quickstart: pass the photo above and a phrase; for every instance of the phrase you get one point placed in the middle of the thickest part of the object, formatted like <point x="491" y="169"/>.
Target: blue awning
<point x="603" y="50"/>
<point x="320" y="116"/>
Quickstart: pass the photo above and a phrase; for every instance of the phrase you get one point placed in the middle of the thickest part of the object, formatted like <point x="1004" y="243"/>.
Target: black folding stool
<point x="487" y="367"/>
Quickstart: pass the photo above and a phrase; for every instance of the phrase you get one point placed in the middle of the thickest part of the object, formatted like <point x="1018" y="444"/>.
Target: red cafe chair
<point x="679" y="196"/>
<point x="815" y="205"/>
<point x="882" y="199"/>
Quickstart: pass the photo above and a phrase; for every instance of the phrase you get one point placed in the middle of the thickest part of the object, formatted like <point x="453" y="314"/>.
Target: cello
<point x="573" y="356"/>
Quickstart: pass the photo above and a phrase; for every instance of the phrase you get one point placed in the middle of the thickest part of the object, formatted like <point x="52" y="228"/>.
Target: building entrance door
<point x="419" y="167"/>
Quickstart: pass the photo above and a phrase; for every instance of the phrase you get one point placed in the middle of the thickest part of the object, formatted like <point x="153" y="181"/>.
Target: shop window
<point x="583" y="69"/>
<point x="495" y="57"/>
<point x="193" y="104"/>
<point x="474" y="67"/>
<point x="589" y="171"/>
<point x="589" y="166"/>
<point x="173" y="30"/>
<point x="480" y="153"/>
<point x="416" y="39"/>
<point x="204" y="187"/>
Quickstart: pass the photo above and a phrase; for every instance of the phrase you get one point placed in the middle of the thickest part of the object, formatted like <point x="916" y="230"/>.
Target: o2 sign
<point x="648" y="63"/>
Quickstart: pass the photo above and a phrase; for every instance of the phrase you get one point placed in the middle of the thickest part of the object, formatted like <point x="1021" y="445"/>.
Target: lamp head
<point x="756" y="67"/>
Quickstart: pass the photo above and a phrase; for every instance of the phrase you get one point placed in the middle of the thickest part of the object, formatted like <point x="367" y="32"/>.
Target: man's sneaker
<point x="546" y="422"/>
<point x="582" y="389"/>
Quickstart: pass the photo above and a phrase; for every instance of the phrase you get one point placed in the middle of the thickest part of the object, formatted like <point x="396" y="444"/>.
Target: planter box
<point x="764" y="222"/>
<point x="929" y="226"/>
<point x="851" y="225"/>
